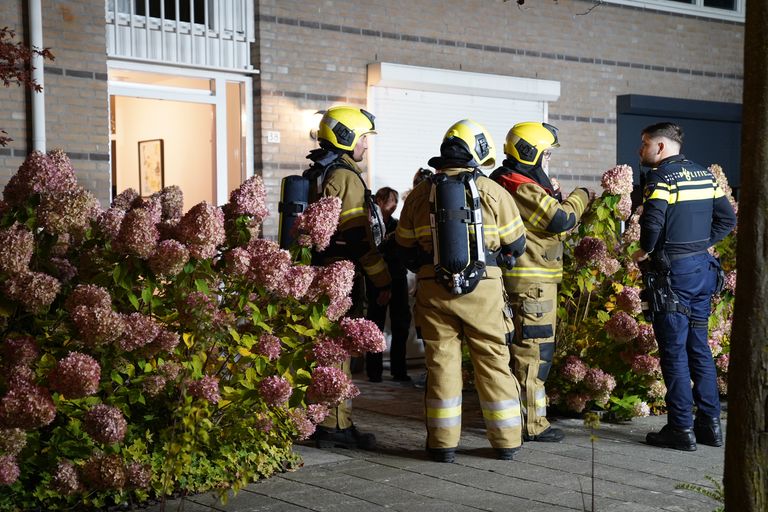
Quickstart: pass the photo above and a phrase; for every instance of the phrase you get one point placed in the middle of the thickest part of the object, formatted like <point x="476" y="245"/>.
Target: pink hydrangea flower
<point x="657" y="389"/>
<point x="250" y="199"/>
<point x="628" y="300"/>
<point x="165" y="342"/>
<point x="330" y="385"/>
<point x="105" y="424"/>
<point x="646" y="339"/>
<point x="621" y="327"/>
<point x="317" y="413"/>
<point x="722" y="362"/>
<point x="624" y="207"/>
<point x="138" y="234"/>
<point x="642" y="410"/>
<point x="576" y="402"/>
<point x="264" y="423"/>
<point x="297" y="280"/>
<point x="88" y="295"/>
<point x="138" y="475"/>
<point x="153" y="385"/>
<point x="590" y="249"/>
<point x="206" y="388"/>
<point x="12" y="440"/>
<point x="608" y="266"/>
<point x="97" y="325"/>
<point x="63" y="270"/>
<point x="722" y="385"/>
<point x="617" y="180"/>
<point x="125" y="199"/>
<point x="631" y="231"/>
<point x="35" y="291"/>
<point x="334" y="281"/>
<point x="644" y="364"/>
<point x="9" y="470"/>
<point x="22" y="351"/>
<point x="70" y="211"/>
<point x="171" y="200"/>
<point x="574" y="369"/>
<point x="362" y="335"/>
<point x="76" y="376"/>
<point x="275" y="390"/>
<point x="269" y="346"/>
<point x="268" y="264"/>
<point x="102" y="472"/>
<point x="18" y="244"/>
<point x="238" y="262"/>
<point x="730" y="282"/>
<point x="318" y="223"/>
<point x="109" y="221"/>
<point x="170" y="370"/>
<point x="27" y="406"/>
<point x="40" y="174"/>
<point x="202" y="230"/>
<point x="598" y="380"/>
<point x="169" y="258"/>
<point x="66" y="479"/>
<point x="338" y="308"/>
<point x="329" y="351"/>
<point x="715" y="347"/>
<point x="139" y="331"/>
<point x="304" y="426"/>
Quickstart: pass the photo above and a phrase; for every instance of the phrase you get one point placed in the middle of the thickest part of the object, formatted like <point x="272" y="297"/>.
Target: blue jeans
<point x="683" y="347"/>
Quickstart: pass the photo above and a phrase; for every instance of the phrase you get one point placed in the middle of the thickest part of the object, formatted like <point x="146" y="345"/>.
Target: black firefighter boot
<point x="327" y="437"/>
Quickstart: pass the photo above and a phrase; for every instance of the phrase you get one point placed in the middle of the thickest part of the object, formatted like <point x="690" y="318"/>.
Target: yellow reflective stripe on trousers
<point x="352" y="213"/>
<point x="408" y="234"/>
<point x="541" y="402"/>
<point x="443" y="413"/>
<point x="502" y="414"/>
<point x="372" y="270"/>
<point x="533" y="272"/>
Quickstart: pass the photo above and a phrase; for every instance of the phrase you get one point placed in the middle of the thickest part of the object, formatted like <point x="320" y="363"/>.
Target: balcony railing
<point x="201" y="33"/>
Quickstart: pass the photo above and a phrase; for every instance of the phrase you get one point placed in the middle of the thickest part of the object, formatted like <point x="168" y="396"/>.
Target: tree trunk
<point x="746" y="454"/>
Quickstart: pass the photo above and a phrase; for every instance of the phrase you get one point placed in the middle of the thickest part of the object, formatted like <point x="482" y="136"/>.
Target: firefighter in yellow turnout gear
<point x="335" y="173"/>
<point x="449" y="312"/>
<point x="532" y="283"/>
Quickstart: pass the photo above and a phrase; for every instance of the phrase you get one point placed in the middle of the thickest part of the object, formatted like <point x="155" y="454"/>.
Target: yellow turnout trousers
<point x="533" y="349"/>
<point x="478" y="318"/>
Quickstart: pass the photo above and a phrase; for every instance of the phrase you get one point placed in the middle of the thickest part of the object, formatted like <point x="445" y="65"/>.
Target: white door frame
<point x="210" y="97"/>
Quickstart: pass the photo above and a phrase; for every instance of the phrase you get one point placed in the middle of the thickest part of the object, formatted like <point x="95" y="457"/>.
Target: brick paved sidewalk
<point x="630" y="476"/>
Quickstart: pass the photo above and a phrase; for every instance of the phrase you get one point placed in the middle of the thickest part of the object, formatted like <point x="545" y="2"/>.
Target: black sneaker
<point x="506" y="453"/>
<point x="708" y="431"/>
<point x="551" y="435"/>
<point x="671" y="437"/>
<point x="326" y="437"/>
<point x="442" y="454"/>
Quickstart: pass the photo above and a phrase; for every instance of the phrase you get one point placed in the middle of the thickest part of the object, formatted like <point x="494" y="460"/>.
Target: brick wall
<point x="315" y="54"/>
<point x="76" y="102"/>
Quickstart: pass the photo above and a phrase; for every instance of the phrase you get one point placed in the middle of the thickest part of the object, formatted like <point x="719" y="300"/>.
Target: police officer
<point x="342" y="136"/>
<point x="532" y="283"/>
<point x="684" y="213"/>
<point x="447" y="317"/>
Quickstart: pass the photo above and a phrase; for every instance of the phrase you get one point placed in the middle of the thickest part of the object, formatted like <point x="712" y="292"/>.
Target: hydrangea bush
<point x="607" y="355"/>
<point x="146" y="351"/>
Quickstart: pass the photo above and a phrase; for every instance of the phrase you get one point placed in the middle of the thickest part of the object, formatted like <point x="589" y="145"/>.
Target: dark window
<point x="185" y="9"/>
<point x="721" y="4"/>
<point x="684" y="1"/>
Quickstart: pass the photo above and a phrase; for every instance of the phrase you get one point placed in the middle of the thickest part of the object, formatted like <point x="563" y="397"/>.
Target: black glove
<point x="506" y="260"/>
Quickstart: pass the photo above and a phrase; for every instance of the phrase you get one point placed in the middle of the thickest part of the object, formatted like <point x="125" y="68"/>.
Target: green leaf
<point x="133" y="300"/>
<point x="201" y="285"/>
<point x="146" y="295"/>
<point x="115" y="376"/>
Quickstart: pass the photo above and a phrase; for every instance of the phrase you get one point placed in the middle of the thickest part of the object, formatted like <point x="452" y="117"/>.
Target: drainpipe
<point x="38" y="98"/>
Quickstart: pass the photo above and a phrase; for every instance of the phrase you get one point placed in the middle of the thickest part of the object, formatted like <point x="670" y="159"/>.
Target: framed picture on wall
<point x="150" y="166"/>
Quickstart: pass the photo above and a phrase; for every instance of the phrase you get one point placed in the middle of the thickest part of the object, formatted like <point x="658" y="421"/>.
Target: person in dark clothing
<point x="398" y="306"/>
<point x="684" y="214"/>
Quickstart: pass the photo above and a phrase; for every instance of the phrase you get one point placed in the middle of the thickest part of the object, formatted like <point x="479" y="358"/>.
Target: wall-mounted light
<point x="312" y="121"/>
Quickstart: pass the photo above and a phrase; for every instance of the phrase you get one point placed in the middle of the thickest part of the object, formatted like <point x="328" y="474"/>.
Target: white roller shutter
<point x="415" y="106"/>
